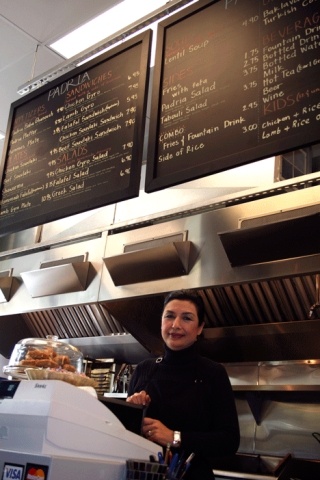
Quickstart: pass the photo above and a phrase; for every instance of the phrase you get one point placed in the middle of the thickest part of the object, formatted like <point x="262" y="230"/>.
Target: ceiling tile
<point x="47" y="20"/>
<point x="14" y="45"/>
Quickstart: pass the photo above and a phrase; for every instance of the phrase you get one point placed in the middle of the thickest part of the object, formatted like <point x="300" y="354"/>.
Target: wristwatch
<point x="176" y="439"/>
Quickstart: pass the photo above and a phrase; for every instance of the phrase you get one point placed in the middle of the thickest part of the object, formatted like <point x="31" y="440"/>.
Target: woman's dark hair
<point x="190" y="297"/>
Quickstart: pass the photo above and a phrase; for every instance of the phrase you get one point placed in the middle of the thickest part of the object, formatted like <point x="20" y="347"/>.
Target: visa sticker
<point x="12" y="472"/>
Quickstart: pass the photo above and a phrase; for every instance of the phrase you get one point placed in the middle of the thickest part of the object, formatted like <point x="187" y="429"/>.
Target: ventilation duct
<point x="53" y="278"/>
<point x="270" y="242"/>
<point x="6" y="280"/>
<point x="153" y="260"/>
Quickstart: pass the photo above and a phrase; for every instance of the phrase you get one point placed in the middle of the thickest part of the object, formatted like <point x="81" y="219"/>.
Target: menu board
<point x="75" y="144"/>
<point x="235" y="81"/>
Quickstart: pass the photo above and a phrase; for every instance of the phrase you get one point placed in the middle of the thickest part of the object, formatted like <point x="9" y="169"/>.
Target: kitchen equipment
<point x="103" y="378"/>
<point x="316" y="435"/>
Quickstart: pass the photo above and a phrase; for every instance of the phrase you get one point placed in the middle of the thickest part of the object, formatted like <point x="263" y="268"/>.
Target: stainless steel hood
<point x="247" y="322"/>
<point x="254" y="311"/>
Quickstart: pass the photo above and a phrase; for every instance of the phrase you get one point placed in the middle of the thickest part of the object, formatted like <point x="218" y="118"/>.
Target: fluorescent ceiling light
<point x="105" y="25"/>
<point x="92" y="48"/>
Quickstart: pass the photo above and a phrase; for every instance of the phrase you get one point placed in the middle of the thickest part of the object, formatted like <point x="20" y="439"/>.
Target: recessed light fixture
<point x="105" y="25"/>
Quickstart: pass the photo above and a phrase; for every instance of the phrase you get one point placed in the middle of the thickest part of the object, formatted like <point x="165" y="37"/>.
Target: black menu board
<point x="235" y="81"/>
<point x="76" y="143"/>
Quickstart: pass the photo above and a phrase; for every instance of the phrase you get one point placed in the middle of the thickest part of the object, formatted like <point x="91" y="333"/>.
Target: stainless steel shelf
<point x="276" y="388"/>
<point x="257" y="395"/>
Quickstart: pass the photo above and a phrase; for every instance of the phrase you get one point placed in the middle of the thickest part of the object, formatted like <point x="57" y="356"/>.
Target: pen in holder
<point x="167" y="457"/>
<point x="178" y="466"/>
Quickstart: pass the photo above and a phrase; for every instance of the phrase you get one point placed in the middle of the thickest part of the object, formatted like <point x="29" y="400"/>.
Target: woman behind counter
<point x="188" y="398"/>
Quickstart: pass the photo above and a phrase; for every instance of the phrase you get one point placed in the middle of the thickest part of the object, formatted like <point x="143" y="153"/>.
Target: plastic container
<point x="43" y="353"/>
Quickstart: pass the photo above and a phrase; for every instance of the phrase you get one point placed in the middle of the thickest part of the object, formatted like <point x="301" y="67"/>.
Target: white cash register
<point x="51" y="430"/>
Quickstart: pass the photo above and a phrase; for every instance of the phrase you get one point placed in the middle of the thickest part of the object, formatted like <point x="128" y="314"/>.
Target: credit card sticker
<point x="12" y="471"/>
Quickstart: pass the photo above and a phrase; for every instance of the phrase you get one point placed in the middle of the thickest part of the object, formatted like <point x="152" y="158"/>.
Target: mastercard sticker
<point x="36" y="472"/>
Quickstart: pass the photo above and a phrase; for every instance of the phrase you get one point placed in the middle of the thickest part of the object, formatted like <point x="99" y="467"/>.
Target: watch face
<point x="176" y="439"/>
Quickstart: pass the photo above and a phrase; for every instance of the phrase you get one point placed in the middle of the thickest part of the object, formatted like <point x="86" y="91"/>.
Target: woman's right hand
<point x="141" y="398"/>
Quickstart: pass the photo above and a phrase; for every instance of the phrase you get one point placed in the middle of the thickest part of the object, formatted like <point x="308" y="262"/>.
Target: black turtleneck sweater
<point x="191" y="394"/>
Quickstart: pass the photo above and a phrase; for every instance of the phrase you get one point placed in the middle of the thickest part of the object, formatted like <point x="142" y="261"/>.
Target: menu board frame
<point x="134" y="131"/>
<point x="213" y="162"/>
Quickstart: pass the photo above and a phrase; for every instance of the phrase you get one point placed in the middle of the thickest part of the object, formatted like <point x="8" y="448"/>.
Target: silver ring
<point x="149" y="433"/>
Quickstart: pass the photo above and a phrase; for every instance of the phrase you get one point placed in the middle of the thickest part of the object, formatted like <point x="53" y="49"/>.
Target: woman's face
<point x="180" y="324"/>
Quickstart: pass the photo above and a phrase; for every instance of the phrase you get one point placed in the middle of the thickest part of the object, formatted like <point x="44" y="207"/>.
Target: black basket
<point x="143" y="470"/>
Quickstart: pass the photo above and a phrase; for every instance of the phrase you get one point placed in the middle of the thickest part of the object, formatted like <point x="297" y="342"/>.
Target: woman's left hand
<point x="139" y="398"/>
<point x="155" y="431"/>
